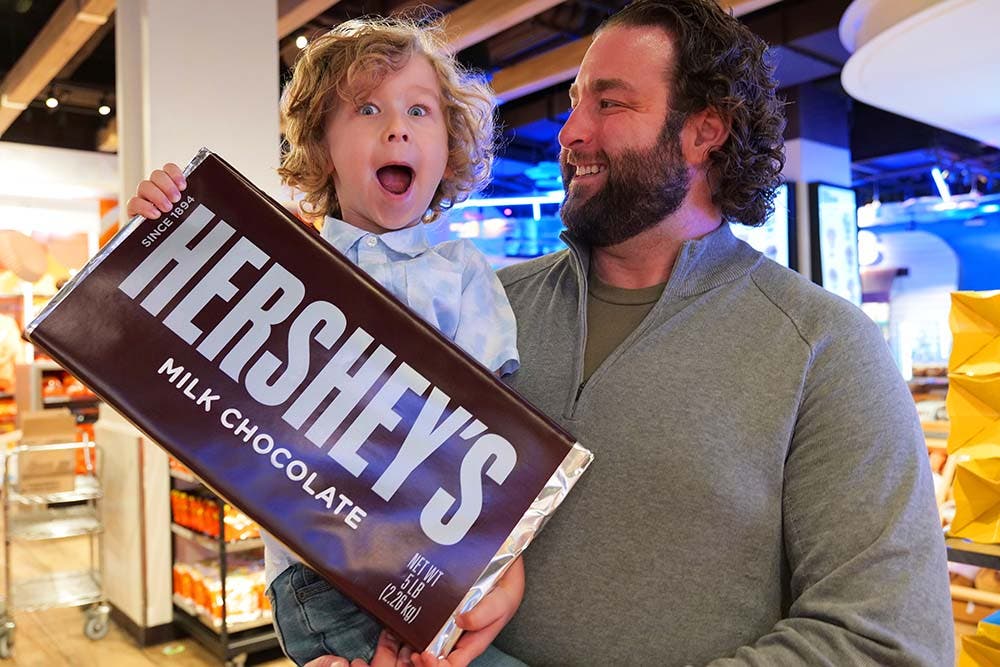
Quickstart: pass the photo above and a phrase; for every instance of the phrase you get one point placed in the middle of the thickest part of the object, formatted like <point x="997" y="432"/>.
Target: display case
<point x="218" y="572"/>
<point x="776" y="237"/>
<point x="42" y="385"/>
<point x="834" y="230"/>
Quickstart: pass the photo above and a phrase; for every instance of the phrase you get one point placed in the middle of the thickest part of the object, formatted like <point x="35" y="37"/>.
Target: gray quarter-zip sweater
<point x="760" y="493"/>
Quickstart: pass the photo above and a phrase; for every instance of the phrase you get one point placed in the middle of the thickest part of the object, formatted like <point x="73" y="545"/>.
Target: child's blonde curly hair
<point x="346" y="64"/>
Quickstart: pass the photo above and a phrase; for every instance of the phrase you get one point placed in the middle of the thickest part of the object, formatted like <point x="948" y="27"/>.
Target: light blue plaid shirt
<point x="450" y="285"/>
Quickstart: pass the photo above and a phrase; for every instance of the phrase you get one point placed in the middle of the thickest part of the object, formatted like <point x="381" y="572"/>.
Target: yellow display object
<point x="977" y="501"/>
<point x="974" y="411"/>
<point x="975" y="325"/>
<point x="989" y="627"/>
<point x="978" y="651"/>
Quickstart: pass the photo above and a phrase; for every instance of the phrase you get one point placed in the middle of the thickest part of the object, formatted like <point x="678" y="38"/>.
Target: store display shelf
<point x="64" y="589"/>
<point x="931" y="381"/>
<point x="972" y="553"/>
<point x="69" y="402"/>
<point x="968" y="594"/>
<point x="936" y="428"/>
<point x="184" y="476"/>
<point x="54" y="522"/>
<point x="86" y="487"/>
<point x="186" y="606"/>
<point x="213" y="543"/>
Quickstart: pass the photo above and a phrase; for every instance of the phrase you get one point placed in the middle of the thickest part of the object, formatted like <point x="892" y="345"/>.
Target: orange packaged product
<point x="178" y="505"/>
<point x="200" y="574"/>
<point x="239" y="526"/>
<point x="52" y="387"/>
<point x="84" y="455"/>
<point x="212" y="516"/>
<point x="73" y="388"/>
<point x="175" y="505"/>
<point x="197" y="514"/>
<point x="213" y="601"/>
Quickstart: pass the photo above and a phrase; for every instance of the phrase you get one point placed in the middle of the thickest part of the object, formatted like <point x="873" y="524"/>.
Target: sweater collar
<point x="701" y="265"/>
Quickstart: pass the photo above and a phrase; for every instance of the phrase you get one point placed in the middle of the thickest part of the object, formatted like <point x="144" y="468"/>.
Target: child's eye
<point x="417" y="110"/>
<point x="368" y="109"/>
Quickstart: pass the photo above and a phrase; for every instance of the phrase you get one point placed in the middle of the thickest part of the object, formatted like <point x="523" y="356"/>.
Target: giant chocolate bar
<point x="301" y="391"/>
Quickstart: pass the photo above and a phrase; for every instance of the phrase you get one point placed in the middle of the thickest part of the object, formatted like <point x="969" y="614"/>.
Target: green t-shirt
<point x="612" y="314"/>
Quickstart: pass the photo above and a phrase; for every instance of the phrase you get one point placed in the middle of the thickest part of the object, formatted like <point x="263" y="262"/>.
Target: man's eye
<point x="417" y="110"/>
<point x="607" y="104"/>
<point x="368" y="109"/>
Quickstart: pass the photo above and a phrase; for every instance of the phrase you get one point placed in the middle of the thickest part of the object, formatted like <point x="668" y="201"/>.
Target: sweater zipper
<point x="582" y="320"/>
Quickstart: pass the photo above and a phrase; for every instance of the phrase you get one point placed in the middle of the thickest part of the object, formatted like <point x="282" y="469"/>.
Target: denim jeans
<point x="311" y="618"/>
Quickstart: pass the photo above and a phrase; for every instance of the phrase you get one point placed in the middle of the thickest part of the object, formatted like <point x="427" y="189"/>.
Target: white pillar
<point x="190" y="73"/>
<point x="808" y="161"/>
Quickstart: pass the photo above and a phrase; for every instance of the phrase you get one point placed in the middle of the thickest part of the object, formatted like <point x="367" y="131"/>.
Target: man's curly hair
<point x="345" y="65"/>
<point x="720" y="64"/>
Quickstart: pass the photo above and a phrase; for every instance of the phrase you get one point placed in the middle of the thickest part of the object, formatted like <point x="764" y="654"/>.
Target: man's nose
<point x="576" y="130"/>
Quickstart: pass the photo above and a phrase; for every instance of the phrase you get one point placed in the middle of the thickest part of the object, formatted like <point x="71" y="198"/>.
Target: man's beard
<point x="642" y="188"/>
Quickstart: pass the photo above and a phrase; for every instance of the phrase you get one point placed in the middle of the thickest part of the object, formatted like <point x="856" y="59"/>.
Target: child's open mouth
<point x="396" y="178"/>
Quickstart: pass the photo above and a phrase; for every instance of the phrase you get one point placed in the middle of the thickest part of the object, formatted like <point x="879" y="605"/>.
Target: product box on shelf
<point x="303" y="393"/>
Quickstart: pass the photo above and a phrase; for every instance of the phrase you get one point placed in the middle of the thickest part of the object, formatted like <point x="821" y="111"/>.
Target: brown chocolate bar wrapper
<point x="304" y="393"/>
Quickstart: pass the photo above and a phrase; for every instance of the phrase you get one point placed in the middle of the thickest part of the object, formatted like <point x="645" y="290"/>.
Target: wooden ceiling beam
<point x="86" y="50"/>
<point x="67" y="31"/>
<point x="293" y="14"/>
<point x="479" y="20"/>
<point x="563" y="63"/>
<point x="544" y="70"/>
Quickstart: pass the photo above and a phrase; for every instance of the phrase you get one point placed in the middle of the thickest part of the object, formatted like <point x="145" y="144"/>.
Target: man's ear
<point x="703" y="132"/>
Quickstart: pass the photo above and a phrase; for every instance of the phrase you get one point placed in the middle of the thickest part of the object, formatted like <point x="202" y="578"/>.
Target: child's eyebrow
<point x="427" y="91"/>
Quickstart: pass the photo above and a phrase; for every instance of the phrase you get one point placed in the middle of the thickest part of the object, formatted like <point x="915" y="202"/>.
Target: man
<point x="760" y="493"/>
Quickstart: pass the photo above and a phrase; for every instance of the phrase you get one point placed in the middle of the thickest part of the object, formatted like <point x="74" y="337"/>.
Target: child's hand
<point x="159" y="193"/>
<point x="389" y="653"/>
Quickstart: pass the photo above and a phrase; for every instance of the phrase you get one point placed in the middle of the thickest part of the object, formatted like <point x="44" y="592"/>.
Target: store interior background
<point x="893" y="194"/>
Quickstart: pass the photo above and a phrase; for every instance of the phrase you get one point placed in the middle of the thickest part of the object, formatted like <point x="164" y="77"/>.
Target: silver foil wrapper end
<point x="534" y="519"/>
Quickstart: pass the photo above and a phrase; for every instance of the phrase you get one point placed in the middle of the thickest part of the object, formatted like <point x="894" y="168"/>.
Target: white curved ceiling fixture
<point x="936" y="61"/>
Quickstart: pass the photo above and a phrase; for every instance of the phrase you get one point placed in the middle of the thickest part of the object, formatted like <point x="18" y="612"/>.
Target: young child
<point x="385" y="132"/>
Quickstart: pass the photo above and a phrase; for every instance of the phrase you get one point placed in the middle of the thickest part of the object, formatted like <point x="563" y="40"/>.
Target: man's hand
<point x="481" y="624"/>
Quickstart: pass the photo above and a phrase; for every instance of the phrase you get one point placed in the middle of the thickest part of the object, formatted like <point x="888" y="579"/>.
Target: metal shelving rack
<point x="54" y="516"/>
<point x="230" y="642"/>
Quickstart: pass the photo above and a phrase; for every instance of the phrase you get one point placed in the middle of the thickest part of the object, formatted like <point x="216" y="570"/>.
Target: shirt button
<point x="371" y="241"/>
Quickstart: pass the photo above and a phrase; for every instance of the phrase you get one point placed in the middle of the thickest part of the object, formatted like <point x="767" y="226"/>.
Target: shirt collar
<point x="702" y="264"/>
<point x="411" y="241"/>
